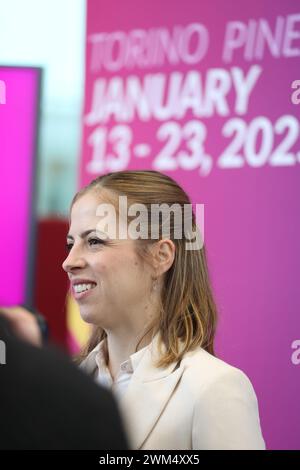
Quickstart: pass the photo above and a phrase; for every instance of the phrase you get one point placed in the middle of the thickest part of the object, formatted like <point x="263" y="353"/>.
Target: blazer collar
<point x="148" y="393"/>
<point x="89" y="364"/>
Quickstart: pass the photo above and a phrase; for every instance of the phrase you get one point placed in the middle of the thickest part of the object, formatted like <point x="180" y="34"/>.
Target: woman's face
<point x="108" y="280"/>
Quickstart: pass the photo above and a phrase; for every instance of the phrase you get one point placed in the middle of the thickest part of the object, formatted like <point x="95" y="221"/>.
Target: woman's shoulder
<point x="203" y="370"/>
<point x="225" y="407"/>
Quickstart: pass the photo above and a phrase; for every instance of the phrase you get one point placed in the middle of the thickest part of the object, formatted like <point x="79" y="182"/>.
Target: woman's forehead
<point x="91" y="212"/>
<point x="88" y="203"/>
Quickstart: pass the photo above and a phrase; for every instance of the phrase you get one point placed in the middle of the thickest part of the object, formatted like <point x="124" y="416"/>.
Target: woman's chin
<point x="88" y="316"/>
<point x="94" y="317"/>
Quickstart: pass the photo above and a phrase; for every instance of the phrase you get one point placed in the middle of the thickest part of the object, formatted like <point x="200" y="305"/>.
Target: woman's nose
<point x="74" y="260"/>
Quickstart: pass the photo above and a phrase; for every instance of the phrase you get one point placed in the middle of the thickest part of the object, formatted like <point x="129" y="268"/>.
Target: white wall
<point x="51" y="34"/>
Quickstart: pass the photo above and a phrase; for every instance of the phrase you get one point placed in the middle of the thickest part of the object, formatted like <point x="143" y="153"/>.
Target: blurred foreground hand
<point x="23" y="323"/>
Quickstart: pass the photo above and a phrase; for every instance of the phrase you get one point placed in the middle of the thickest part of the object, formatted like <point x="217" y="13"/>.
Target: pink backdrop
<point x="18" y="121"/>
<point x="202" y="91"/>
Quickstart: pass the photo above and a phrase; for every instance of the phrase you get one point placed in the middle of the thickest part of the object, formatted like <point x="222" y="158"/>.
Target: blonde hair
<point x="188" y="314"/>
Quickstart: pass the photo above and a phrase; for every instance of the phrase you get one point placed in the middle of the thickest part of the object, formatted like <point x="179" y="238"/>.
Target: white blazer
<point x="199" y="403"/>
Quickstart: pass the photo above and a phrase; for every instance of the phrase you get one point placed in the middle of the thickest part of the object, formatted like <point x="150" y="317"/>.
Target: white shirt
<point x="121" y="382"/>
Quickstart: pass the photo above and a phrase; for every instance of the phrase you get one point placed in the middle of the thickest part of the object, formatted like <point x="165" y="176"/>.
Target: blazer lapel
<point x="148" y="392"/>
<point x="89" y="364"/>
<point x="147" y="395"/>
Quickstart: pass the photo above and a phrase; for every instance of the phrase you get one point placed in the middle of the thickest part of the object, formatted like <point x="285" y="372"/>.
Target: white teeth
<point x="78" y="288"/>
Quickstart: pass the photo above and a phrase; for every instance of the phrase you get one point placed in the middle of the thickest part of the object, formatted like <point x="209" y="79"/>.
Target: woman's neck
<point x="121" y="346"/>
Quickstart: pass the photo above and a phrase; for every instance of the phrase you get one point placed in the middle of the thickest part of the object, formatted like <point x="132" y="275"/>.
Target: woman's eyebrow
<point x="83" y="235"/>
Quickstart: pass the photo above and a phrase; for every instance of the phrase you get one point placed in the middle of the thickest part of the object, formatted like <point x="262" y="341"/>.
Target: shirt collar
<point x="128" y="366"/>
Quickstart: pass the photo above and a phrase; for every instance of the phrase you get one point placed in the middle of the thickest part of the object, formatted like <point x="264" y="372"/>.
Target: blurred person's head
<point x="128" y="274"/>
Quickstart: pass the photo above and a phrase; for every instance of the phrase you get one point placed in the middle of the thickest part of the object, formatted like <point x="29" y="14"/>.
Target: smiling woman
<point x="154" y="318"/>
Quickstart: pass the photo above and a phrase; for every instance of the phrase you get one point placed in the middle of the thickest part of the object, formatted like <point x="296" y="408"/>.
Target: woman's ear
<point x="163" y="256"/>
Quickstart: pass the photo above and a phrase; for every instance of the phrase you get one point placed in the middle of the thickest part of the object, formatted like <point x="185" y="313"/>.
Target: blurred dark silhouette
<point x="47" y="403"/>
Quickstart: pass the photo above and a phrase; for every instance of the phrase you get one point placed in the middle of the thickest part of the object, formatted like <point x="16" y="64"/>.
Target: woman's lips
<point x="81" y="288"/>
<point x="81" y="295"/>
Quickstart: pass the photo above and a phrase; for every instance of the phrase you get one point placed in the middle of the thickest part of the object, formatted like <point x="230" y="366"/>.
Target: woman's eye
<point x="69" y="246"/>
<point x="95" y="241"/>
